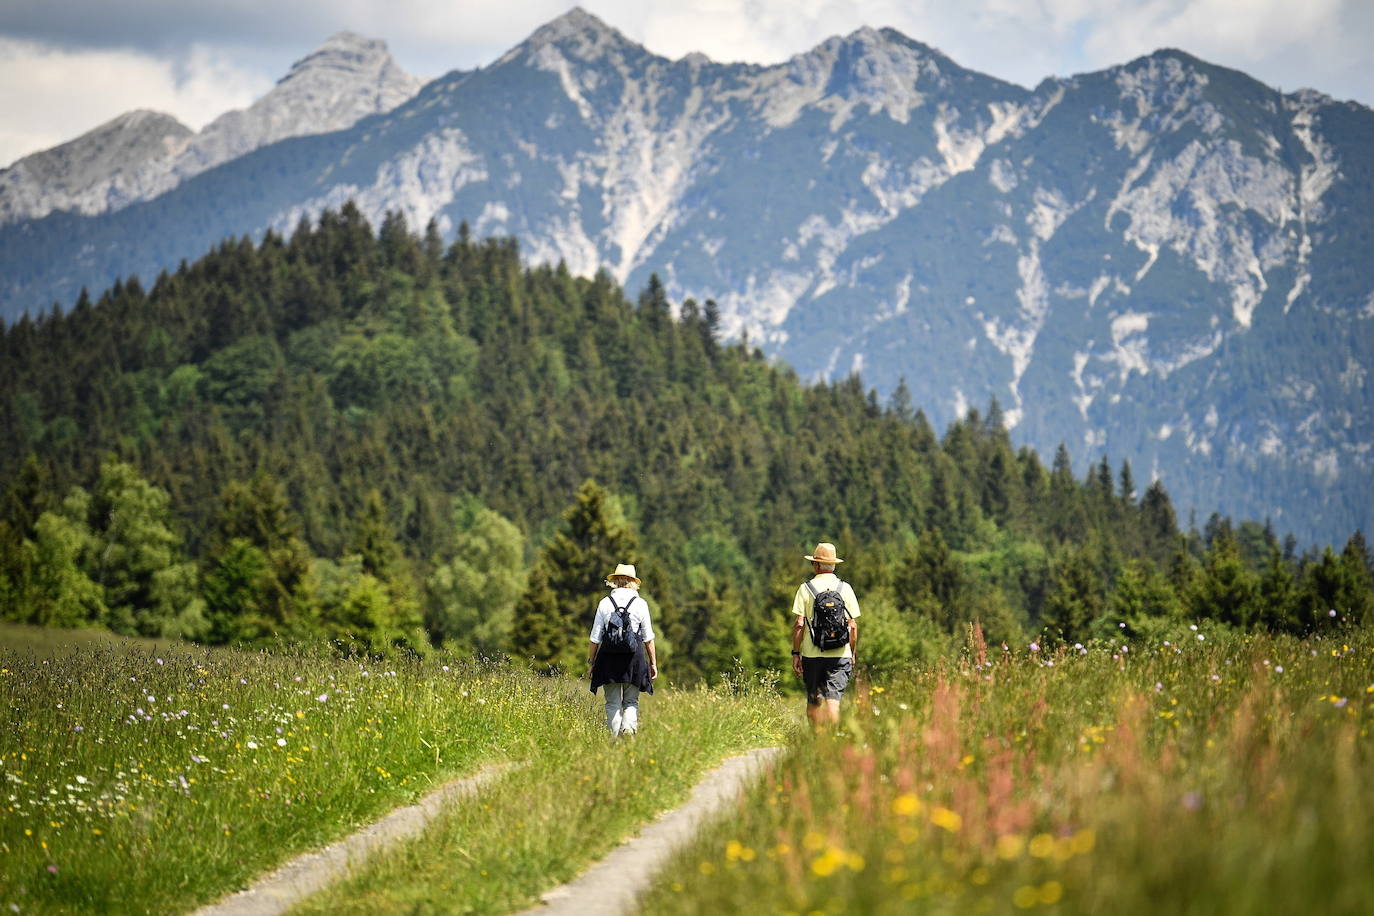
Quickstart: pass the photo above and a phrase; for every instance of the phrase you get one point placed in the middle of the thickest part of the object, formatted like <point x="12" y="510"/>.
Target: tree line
<point x="389" y="442"/>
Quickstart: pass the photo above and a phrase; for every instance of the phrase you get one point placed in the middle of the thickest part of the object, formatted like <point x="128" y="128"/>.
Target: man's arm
<point x="854" y="638"/>
<point x="798" y="627"/>
<point x="591" y="656"/>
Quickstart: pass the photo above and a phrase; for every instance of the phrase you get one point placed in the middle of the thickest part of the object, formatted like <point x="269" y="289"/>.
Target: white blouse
<point x="639" y="614"/>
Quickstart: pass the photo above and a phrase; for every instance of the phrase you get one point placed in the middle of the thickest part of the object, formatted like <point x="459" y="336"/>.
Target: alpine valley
<point x="1166" y="262"/>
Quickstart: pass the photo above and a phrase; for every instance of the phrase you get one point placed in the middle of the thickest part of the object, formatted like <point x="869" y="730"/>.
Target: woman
<point x="621" y="656"/>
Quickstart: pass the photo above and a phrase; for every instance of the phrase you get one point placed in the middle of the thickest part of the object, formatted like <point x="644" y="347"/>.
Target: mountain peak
<point x="577" y="31"/>
<point x="346" y="53"/>
<point x="575" y="21"/>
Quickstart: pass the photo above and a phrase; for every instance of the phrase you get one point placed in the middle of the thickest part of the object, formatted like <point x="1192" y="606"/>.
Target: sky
<point x="67" y="66"/>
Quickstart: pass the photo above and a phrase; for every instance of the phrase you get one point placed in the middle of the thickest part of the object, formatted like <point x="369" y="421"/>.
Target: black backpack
<point x="829" y="618"/>
<point x="620" y="637"/>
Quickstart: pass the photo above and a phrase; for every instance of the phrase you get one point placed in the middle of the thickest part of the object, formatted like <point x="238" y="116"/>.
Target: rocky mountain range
<point x="142" y="154"/>
<point x="1165" y="261"/>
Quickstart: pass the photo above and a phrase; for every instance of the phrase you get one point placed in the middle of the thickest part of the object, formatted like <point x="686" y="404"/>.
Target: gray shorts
<point x="825" y="678"/>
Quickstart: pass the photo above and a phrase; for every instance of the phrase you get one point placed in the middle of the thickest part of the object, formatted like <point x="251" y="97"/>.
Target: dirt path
<point x="306" y="874"/>
<point x="611" y="886"/>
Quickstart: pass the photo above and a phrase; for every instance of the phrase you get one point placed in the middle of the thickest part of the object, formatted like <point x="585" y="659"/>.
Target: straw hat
<point x="623" y="571"/>
<point x="825" y="553"/>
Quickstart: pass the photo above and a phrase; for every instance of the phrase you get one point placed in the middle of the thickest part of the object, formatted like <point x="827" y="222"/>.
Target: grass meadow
<point x="1206" y="774"/>
<point x="1209" y="773"/>
<point x="144" y="777"/>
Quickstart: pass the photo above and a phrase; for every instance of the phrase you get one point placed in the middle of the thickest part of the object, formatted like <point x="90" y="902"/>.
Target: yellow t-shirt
<point x="801" y="607"/>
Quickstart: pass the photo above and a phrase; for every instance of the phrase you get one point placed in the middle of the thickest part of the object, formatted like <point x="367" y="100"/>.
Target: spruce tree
<point x="556" y="611"/>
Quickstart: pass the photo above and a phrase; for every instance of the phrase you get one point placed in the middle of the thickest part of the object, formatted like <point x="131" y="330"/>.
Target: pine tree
<point x="1075" y="598"/>
<point x="556" y="611"/>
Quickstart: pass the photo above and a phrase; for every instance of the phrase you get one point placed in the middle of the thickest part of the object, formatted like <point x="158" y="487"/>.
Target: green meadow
<point x="1201" y="774"/>
<point x="1205" y="772"/>
<point x="142" y="777"/>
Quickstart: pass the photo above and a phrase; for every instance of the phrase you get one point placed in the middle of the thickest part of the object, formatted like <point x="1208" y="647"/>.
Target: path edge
<point x="613" y="885"/>
<point x="308" y="873"/>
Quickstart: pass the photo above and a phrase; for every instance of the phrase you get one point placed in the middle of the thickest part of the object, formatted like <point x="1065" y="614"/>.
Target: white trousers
<point x="622" y="708"/>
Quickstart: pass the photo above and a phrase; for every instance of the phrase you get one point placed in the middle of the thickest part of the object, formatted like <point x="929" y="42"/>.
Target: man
<point x="825" y="672"/>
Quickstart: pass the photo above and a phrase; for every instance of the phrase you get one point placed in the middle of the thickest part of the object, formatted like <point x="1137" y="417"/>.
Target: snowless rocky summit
<point x="142" y="154"/>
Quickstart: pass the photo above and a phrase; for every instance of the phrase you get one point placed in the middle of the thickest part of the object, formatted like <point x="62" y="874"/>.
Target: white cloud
<point x="1234" y="31"/>
<point x="49" y="95"/>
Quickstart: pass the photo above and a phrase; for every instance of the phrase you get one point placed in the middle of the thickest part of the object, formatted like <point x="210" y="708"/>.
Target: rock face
<point x="1165" y="261"/>
<point x="142" y="154"/>
<point x="62" y="177"/>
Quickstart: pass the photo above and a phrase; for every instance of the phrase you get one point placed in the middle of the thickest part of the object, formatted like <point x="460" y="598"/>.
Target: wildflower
<point x="81" y="779"/>
<point x="1035" y="647"/>
<point x="1050" y="892"/>
<point x="1078" y="645"/>
<point x="1122" y="625"/>
<point x="252" y="745"/>
<point x="1278" y="669"/>
<point x="138" y="712"/>
<point x="949" y="820"/>
<point x="1339" y="703"/>
<point x="52" y="869"/>
<point x="1331" y="613"/>
<point x="446" y="667"/>
<point x="322" y="697"/>
<point x="1200" y="637"/>
<point x="281" y="742"/>
<point x="1159" y="687"/>
<point x="159" y="661"/>
<point x="906" y="804"/>
<point x="1010" y="846"/>
<point x="1193" y="627"/>
<point x="1082" y="842"/>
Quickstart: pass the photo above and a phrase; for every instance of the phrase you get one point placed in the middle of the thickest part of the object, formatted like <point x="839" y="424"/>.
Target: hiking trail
<point x="607" y="888"/>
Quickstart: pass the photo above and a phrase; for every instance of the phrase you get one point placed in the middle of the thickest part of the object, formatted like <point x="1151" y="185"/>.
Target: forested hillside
<point x="388" y="442"/>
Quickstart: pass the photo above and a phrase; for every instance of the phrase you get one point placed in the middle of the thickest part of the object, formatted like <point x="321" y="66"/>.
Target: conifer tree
<point x="1074" y="600"/>
<point x="259" y="582"/>
<point x="555" y="613"/>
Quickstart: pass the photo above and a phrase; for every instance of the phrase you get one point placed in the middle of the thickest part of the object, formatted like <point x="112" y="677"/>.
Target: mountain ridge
<point x="1142" y="259"/>
<point x="347" y="77"/>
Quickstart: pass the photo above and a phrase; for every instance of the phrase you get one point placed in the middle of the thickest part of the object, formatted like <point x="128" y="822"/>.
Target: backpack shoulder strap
<point x="810" y="588"/>
<point x="616" y="607"/>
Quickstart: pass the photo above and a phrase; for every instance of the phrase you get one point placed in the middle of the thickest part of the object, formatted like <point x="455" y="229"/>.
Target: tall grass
<point x="144" y="778"/>
<point x="1193" y="777"/>
<point x="567" y="808"/>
